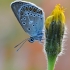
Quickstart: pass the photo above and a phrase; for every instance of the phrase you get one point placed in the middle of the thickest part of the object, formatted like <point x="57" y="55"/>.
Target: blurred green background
<point x="31" y="55"/>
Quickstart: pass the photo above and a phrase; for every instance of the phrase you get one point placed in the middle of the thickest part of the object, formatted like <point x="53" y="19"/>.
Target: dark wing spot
<point x="23" y="23"/>
<point x="41" y="17"/>
<point x="35" y="9"/>
<point x="38" y="15"/>
<point x="25" y="14"/>
<point x="28" y="13"/>
<point x="21" y="12"/>
<point x="30" y="8"/>
<point x="22" y="9"/>
<point x="24" y="18"/>
<point x="20" y="18"/>
<point x="20" y="3"/>
<point x="33" y="25"/>
<point x="26" y="8"/>
<point x="40" y="12"/>
<point x="28" y="29"/>
<point x="31" y="14"/>
<point x="34" y="15"/>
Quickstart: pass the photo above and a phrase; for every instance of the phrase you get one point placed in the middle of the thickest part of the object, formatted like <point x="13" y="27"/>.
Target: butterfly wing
<point x="30" y="17"/>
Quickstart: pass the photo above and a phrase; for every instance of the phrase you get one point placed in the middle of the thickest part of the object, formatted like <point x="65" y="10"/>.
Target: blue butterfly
<point x="31" y="18"/>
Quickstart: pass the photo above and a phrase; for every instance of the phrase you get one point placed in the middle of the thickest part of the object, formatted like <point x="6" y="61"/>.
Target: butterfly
<point x="31" y="18"/>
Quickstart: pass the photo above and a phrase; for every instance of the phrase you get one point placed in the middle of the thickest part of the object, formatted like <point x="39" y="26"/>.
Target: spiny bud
<point x="54" y="31"/>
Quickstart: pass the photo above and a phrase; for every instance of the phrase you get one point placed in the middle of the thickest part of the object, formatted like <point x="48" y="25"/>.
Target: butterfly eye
<point x="31" y="40"/>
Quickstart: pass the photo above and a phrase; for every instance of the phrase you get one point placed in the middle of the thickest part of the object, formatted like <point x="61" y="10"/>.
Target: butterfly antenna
<point x="21" y="43"/>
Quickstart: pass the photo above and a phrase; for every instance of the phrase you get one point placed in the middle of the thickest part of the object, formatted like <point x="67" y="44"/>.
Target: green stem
<point x="51" y="62"/>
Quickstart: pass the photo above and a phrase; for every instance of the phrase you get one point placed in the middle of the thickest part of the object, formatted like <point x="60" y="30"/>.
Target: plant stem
<point x="51" y="62"/>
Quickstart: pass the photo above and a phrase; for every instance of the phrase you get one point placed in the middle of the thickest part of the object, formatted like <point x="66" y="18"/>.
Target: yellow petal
<point x="56" y="15"/>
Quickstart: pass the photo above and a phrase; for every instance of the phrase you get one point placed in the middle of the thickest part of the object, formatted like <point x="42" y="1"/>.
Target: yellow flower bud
<point x="56" y="15"/>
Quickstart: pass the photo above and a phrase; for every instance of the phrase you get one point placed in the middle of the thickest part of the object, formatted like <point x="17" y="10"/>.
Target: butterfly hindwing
<point x="30" y="17"/>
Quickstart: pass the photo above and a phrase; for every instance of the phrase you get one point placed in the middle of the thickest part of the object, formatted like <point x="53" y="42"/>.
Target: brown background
<point x="31" y="55"/>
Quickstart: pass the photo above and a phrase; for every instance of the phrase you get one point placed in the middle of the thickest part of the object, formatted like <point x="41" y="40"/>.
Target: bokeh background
<point x="31" y="55"/>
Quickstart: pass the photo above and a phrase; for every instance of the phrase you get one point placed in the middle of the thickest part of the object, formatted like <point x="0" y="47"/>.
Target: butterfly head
<point x="31" y="40"/>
